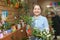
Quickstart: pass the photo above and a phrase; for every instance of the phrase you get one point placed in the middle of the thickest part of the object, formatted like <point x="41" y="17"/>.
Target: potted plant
<point x="41" y="34"/>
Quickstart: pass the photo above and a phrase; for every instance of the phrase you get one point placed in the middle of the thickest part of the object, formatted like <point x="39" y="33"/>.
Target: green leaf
<point x="58" y="3"/>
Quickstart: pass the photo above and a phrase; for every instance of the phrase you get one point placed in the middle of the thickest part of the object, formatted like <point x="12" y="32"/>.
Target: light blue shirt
<point x="40" y="22"/>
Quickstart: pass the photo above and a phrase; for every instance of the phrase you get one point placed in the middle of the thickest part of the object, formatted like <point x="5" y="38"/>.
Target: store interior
<point x="15" y="14"/>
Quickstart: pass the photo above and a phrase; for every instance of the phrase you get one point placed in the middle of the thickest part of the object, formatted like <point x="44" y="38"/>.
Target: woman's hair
<point x="37" y="5"/>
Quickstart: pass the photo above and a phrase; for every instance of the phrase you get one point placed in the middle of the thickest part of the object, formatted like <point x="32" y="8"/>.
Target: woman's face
<point x="37" y="10"/>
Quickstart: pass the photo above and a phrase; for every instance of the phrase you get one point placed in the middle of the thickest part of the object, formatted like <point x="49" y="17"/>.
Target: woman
<point x="39" y="21"/>
<point x="56" y="24"/>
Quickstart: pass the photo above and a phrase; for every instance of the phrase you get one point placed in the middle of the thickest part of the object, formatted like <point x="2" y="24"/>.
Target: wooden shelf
<point x="16" y="35"/>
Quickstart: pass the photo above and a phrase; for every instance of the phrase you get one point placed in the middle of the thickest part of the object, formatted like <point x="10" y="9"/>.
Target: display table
<point x="18" y="35"/>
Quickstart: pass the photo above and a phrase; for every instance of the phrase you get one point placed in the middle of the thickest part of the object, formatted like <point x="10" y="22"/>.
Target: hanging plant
<point x="17" y="5"/>
<point x="9" y="2"/>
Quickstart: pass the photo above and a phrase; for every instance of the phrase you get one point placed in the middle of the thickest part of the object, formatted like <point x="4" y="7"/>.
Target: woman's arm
<point x="46" y="25"/>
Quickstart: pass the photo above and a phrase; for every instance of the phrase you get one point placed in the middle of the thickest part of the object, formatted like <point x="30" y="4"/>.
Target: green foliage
<point x="50" y="22"/>
<point x="24" y="38"/>
<point x="35" y="32"/>
<point x="26" y="8"/>
<point x="16" y="21"/>
<point x="27" y="19"/>
<point x="41" y="34"/>
<point x="1" y="28"/>
<point x="6" y="26"/>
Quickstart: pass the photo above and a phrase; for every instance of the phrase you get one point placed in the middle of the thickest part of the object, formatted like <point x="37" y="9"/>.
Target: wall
<point x="10" y="10"/>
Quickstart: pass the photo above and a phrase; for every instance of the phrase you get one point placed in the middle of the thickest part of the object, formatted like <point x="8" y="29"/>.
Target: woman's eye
<point x="35" y="9"/>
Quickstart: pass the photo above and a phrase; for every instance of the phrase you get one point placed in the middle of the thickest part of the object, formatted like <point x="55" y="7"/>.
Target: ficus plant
<point x="27" y="19"/>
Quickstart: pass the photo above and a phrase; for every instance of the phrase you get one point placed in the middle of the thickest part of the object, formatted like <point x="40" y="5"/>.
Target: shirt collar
<point x="37" y="17"/>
